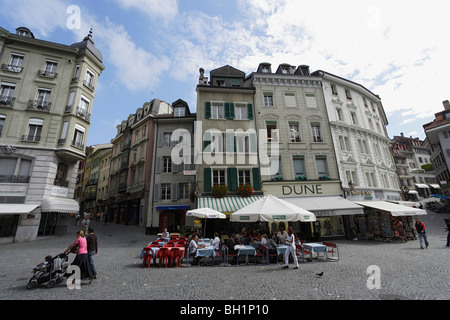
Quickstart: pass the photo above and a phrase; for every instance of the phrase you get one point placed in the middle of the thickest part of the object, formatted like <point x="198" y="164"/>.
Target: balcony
<point x="61" y="183"/>
<point x="83" y="114"/>
<point x="6" y="101"/>
<point x="30" y="138"/>
<point x="14" y="179"/>
<point x="12" y="68"/>
<point x="39" y="105"/>
<point x="47" y="74"/>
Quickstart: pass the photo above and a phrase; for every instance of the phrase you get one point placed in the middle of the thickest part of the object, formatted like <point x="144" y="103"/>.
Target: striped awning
<point x="226" y="204"/>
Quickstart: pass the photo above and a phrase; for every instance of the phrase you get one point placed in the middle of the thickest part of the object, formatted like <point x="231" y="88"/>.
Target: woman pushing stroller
<point x="81" y="260"/>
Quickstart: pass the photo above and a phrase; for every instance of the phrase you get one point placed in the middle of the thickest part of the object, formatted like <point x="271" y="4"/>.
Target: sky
<point x="155" y="48"/>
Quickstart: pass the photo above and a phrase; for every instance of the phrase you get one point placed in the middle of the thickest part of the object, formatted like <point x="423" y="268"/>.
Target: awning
<point x="395" y="209"/>
<point x="434" y="186"/>
<point x="17" y="208"/>
<point x="422" y="186"/>
<point x="226" y="204"/>
<point x="173" y="207"/>
<point x="407" y="203"/>
<point x="327" y="206"/>
<point x="61" y="205"/>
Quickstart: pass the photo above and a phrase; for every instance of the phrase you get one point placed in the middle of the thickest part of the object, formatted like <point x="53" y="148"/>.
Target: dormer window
<point x="24" y="32"/>
<point x="220" y="82"/>
<point x="284" y="70"/>
<point x="179" y="112"/>
<point x="265" y="69"/>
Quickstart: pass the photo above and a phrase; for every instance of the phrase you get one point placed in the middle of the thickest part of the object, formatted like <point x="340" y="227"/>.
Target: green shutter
<point x="232" y="115"/>
<point x="256" y="179"/>
<point x="207" y="179"/>
<point x="208" y="110"/>
<point x="250" y="111"/>
<point x="227" y="110"/>
<point x="232" y="179"/>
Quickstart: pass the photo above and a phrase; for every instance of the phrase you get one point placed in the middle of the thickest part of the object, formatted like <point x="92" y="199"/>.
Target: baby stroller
<point x="50" y="274"/>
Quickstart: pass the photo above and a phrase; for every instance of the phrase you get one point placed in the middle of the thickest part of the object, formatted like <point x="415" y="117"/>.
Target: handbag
<point x="74" y="249"/>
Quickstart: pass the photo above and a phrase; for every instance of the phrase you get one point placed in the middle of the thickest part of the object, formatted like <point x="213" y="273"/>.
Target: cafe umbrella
<point x="271" y="208"/>
<point x="205" y="213"/>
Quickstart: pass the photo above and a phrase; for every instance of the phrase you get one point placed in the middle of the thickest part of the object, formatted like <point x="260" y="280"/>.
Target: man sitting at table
<point x="193" y="246"/>
<point x="165" y="234"/>
<point x="269" y="243"/>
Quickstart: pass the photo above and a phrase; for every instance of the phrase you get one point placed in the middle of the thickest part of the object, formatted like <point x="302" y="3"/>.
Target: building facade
<point x="46" y="98"/>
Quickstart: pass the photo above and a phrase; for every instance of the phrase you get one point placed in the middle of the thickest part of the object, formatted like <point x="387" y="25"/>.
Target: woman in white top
<point x="216" y="241"/>
<point x="290" y="242"/>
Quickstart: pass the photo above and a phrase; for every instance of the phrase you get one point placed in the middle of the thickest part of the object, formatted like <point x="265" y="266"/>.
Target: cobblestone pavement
<point x="406" y="271"/>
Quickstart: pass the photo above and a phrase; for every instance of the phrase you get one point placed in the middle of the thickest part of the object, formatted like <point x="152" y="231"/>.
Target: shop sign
<point x="279" y="217"/>
<point x="244" y="218"/>
<point x="60" y="192"/>
<point x="312" y="189"/>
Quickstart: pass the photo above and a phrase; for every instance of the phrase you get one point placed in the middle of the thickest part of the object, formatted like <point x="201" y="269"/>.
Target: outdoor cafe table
<point x="245" y="250"/>
<point x="315" y="248"/>
<point x="156" y="249"/>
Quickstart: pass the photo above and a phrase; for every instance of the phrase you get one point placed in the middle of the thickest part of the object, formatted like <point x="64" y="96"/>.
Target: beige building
<point x="47" y="92"/>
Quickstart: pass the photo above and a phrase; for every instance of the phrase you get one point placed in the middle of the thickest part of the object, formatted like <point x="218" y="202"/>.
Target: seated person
<point x="269" y="243"/>
<point x="193" y="246"/>
<point x="216" y="241"/>
<point x="281" y="236"/>
<point x="255" y="236"/>
<point x="231" y="242"/>
<point x="165" y="233"/>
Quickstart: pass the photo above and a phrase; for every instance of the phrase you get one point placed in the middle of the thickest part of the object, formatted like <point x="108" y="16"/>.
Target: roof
<point x="88" y="44"/>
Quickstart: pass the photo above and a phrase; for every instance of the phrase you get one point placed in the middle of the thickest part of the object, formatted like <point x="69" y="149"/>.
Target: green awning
<point x="226" y="205"/>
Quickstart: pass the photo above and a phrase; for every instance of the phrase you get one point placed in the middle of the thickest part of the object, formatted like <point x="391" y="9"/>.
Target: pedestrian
<point x="85" y="223"/>
<point x="77" y="219"/>
<point x="92" y="249"/>
<point x="420" y="227"/>
<point x="81" y="260"/>
<point x="290" y="243"/>
<point x="447" y="222"/>
<point x="401" y="230"/>
<point x="106" y="218"/>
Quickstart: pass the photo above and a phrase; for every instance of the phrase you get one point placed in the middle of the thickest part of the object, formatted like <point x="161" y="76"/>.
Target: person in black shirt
<point x="92" y="249"/>
<point x="420" y="227"/>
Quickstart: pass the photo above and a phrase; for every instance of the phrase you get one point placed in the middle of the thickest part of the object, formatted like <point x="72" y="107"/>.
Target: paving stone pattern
<point x="407" y="271"/>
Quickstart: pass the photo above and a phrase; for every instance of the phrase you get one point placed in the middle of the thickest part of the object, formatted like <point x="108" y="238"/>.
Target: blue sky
<point x="154" y="49"/>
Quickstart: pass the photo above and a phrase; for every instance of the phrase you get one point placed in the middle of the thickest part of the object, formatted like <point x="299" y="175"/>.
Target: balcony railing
<point x="30" y="138"/>
<point x="39" y="105"/>
<point x="82" y="113"/>
<point x="88" y="84"/>
<point x="47" y="74"/>
<point x="6" y="101"/>
<point x="11" y="68"/>
<point x="78" y="145"/>
<point x="14" y="179"/>
<point x="61" y="141"/>
<point x="61" y="183"/>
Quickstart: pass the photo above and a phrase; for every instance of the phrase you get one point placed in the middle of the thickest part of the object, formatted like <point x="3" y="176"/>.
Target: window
<point x="348" y="95"/>
<point x="61" y="175"/>
<point x="89" y="79"/>
<point x="217" y="110"/>
<point x="14" y="170"/>
<point x="272" y="131"/>
<point x="2" y="123"/>
<point x="268" y="99"/>
<point x="334" y="90"/>
<point x="34" y="130"/>
<point x="339" y="114"/>
<point x="220" y="82"/>
<point x="275" y="166"/>
<point x="242" y="143"/>
<point x="179" y="112"/>
<point x="311" y="101"/>
<point x="167" y="164"/>
<point x="235" y="83"/>
<point x="351" y="177"/>
<point x="7" y="93"/>
<point x="265" y="69"/>
<point x="299" y="165"/>
<point x="83" y="109"/>
<point x="43" y="98"/>
<point x="244" y="176"/>
<point x="50" y="69"/>
<point x="315" y="129"/>
<point x="15" y="63"/>
<point x="321" y="164"/>
<point x="167" y="136"/>
<point x="354" y="119"/>
<point x="183" y="192"/>
<point x="76" y="75"/>
<point x="294" y="132"/>
<point x="218" y="176"/>
<point x="240" y="112"/>
<point x="78" y="137"/>
<point x="165" y="191"/>
<point x="289" y="100"/>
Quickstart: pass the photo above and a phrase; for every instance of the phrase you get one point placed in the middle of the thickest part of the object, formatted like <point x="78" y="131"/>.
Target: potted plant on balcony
<point x="219" y="191"/>
<point x="301" y="177"/>
<point x="324" y="177"/>
<point x="245" y="190"/>
<point x="277" y="178"/>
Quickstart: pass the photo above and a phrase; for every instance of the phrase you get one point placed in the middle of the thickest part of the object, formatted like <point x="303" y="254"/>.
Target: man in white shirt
<point x="193" y="246"/>
<point x="281" y="235"/>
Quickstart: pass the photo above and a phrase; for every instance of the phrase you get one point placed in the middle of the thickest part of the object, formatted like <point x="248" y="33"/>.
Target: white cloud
<point x="155" y="9"/>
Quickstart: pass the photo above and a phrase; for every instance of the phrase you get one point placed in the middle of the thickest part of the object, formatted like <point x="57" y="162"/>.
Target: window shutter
<point x="175" y="167"/>
<point x="207" y="141"/>
<point x="158" y="165"/>
<point x="256" y="179"/>
<point x="208" y="110"/>
<point x="174" y="192"/>
<point x="232" y="179"/>
<point x="250" y="111"/>
<point x="227" y="110"/>
<point x="230" y="142"/>
<point x="253" y="143"/>
<point x="232" y="114"/>
<point x="207" y="179"/>
<point x="156" y="193"/>
<point x="160" y="139"/>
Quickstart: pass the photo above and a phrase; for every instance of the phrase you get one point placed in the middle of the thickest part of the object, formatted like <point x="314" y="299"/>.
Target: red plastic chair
<point x="153" y="245"/>
<point x="148" y="255"/>
<point x="163" y="254"/>
<point x="267" y="253"/>
<point x="179" y="245"/>
<point x="168" y="245"/>
<point x="174" y="256"/>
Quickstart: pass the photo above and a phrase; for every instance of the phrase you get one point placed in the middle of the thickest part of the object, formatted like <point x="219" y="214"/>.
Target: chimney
<point x="446" y="104"/>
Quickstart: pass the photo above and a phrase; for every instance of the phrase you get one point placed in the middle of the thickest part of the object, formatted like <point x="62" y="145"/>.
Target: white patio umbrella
<point x="206" y="213"/>
<point x="271" y="208"/>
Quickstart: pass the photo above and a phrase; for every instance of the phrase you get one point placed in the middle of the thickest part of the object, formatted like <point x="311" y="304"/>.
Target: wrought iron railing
<point x="7" y="101"/>
<point x="47" y="74"/>
<point x="31" y="138"/>
<point x="12" y="68"/>
<point x="39" y="105"/>
<point x="14" y="179"/>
